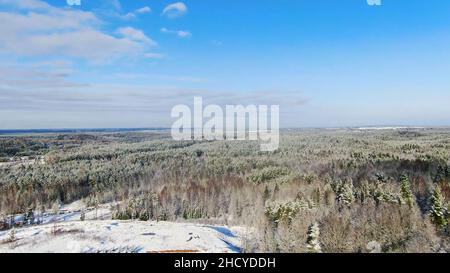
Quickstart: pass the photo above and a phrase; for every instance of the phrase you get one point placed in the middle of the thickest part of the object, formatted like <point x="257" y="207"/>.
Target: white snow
<point x="388" y="128"/>
<point x="120" y="236"/>
<point x="65" y="233"/>
<point x="24" y="161"/>
<point x="70" y="212"/>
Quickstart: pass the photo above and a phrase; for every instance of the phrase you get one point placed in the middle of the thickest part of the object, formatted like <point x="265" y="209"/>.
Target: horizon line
<point x="125" y="129"/>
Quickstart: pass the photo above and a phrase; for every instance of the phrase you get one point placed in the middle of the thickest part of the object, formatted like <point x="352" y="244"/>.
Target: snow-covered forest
<point x="353" y="190"/>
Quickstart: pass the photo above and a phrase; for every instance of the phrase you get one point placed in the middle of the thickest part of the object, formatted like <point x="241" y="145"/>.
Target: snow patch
<point x="105" y="236"/>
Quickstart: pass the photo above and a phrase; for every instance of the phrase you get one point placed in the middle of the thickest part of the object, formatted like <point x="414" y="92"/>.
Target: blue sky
<point x="111" y="63"/>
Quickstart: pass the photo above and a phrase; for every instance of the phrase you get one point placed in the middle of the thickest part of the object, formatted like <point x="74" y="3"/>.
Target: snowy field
<point x="65" y="233"/>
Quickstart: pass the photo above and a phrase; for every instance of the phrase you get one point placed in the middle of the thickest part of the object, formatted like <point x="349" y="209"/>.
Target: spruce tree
<point x="438" y="210"/>
<point x="12" y="236"/>
<point x="345" y="193"/>
<point x="407" y="195"/>
<point x="312" y="242"/>
<point x="266" y="194"/>
<point x="82" y="215"/>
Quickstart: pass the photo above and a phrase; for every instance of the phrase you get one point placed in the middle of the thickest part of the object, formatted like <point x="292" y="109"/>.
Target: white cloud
<point x="175" y="10"/>
<point x="133" y="15"/>
<point x="27" y="4"/>
<point x="145" y="9"/>
<point x="14" y="23"/>
<point x="115" y="4"/>
<point x="179" y="33"/>
<point x="128" y="16"/>
<point x="135" y="35"/>
<point x="45" y="30"/>
<point x="112" y="105"/>
<point x="88" y="44"/>
<point x="154" y="55"/>
<point x="184" y="34"/>
<point x="374" y="2"/>
<point x="216" y="43"/>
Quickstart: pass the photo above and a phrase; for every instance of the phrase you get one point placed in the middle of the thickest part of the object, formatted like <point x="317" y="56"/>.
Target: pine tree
<point x="345" y="193"/>
<point x="12" y="236"/>
<point x="266" y="194"/>
<point x="55" y="209"/>
<point x="312" y="242"/>
<point x="144" y="216"/>
<point x="96" y="205"/>
<point x="82" y="215"/>
<point x="438" y="210"/>
<point x="31" y="217"/>
<point x="276" y="189"/>
<point x="42" y="212"/>
<point x="3" y="222"/>
<point x="406" y="192"/>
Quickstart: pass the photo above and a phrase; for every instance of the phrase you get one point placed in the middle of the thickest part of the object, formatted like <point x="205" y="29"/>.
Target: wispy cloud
<point x="216" y="43"/>
<point x="145" y="9"/>
<point x="175" y="10"/>
<point x="134" y="14"/>
<point x="169" y="78"/>
<point x="179" y="33"/>
<point x="154" y="56"/>
<point x="27" y="4"/>
<point x="136" y="35"/>
<point x="52" y="31"/>
<point x="109" y="105"/>
<point x="36" y="76"/>
<point x="46" y="95"/>
<point x="114" y="4"/>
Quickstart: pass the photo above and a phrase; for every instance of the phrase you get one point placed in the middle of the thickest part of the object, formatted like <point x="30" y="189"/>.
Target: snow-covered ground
<point x="120" y="236"/>
<point x="375" y="128"/>
<point x="70" y="212"/>
<point x="22" y="162"/>
<point x="65" y="232"/>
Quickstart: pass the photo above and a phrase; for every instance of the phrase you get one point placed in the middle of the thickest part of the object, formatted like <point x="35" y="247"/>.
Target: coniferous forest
<point x="321" y="191"/>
